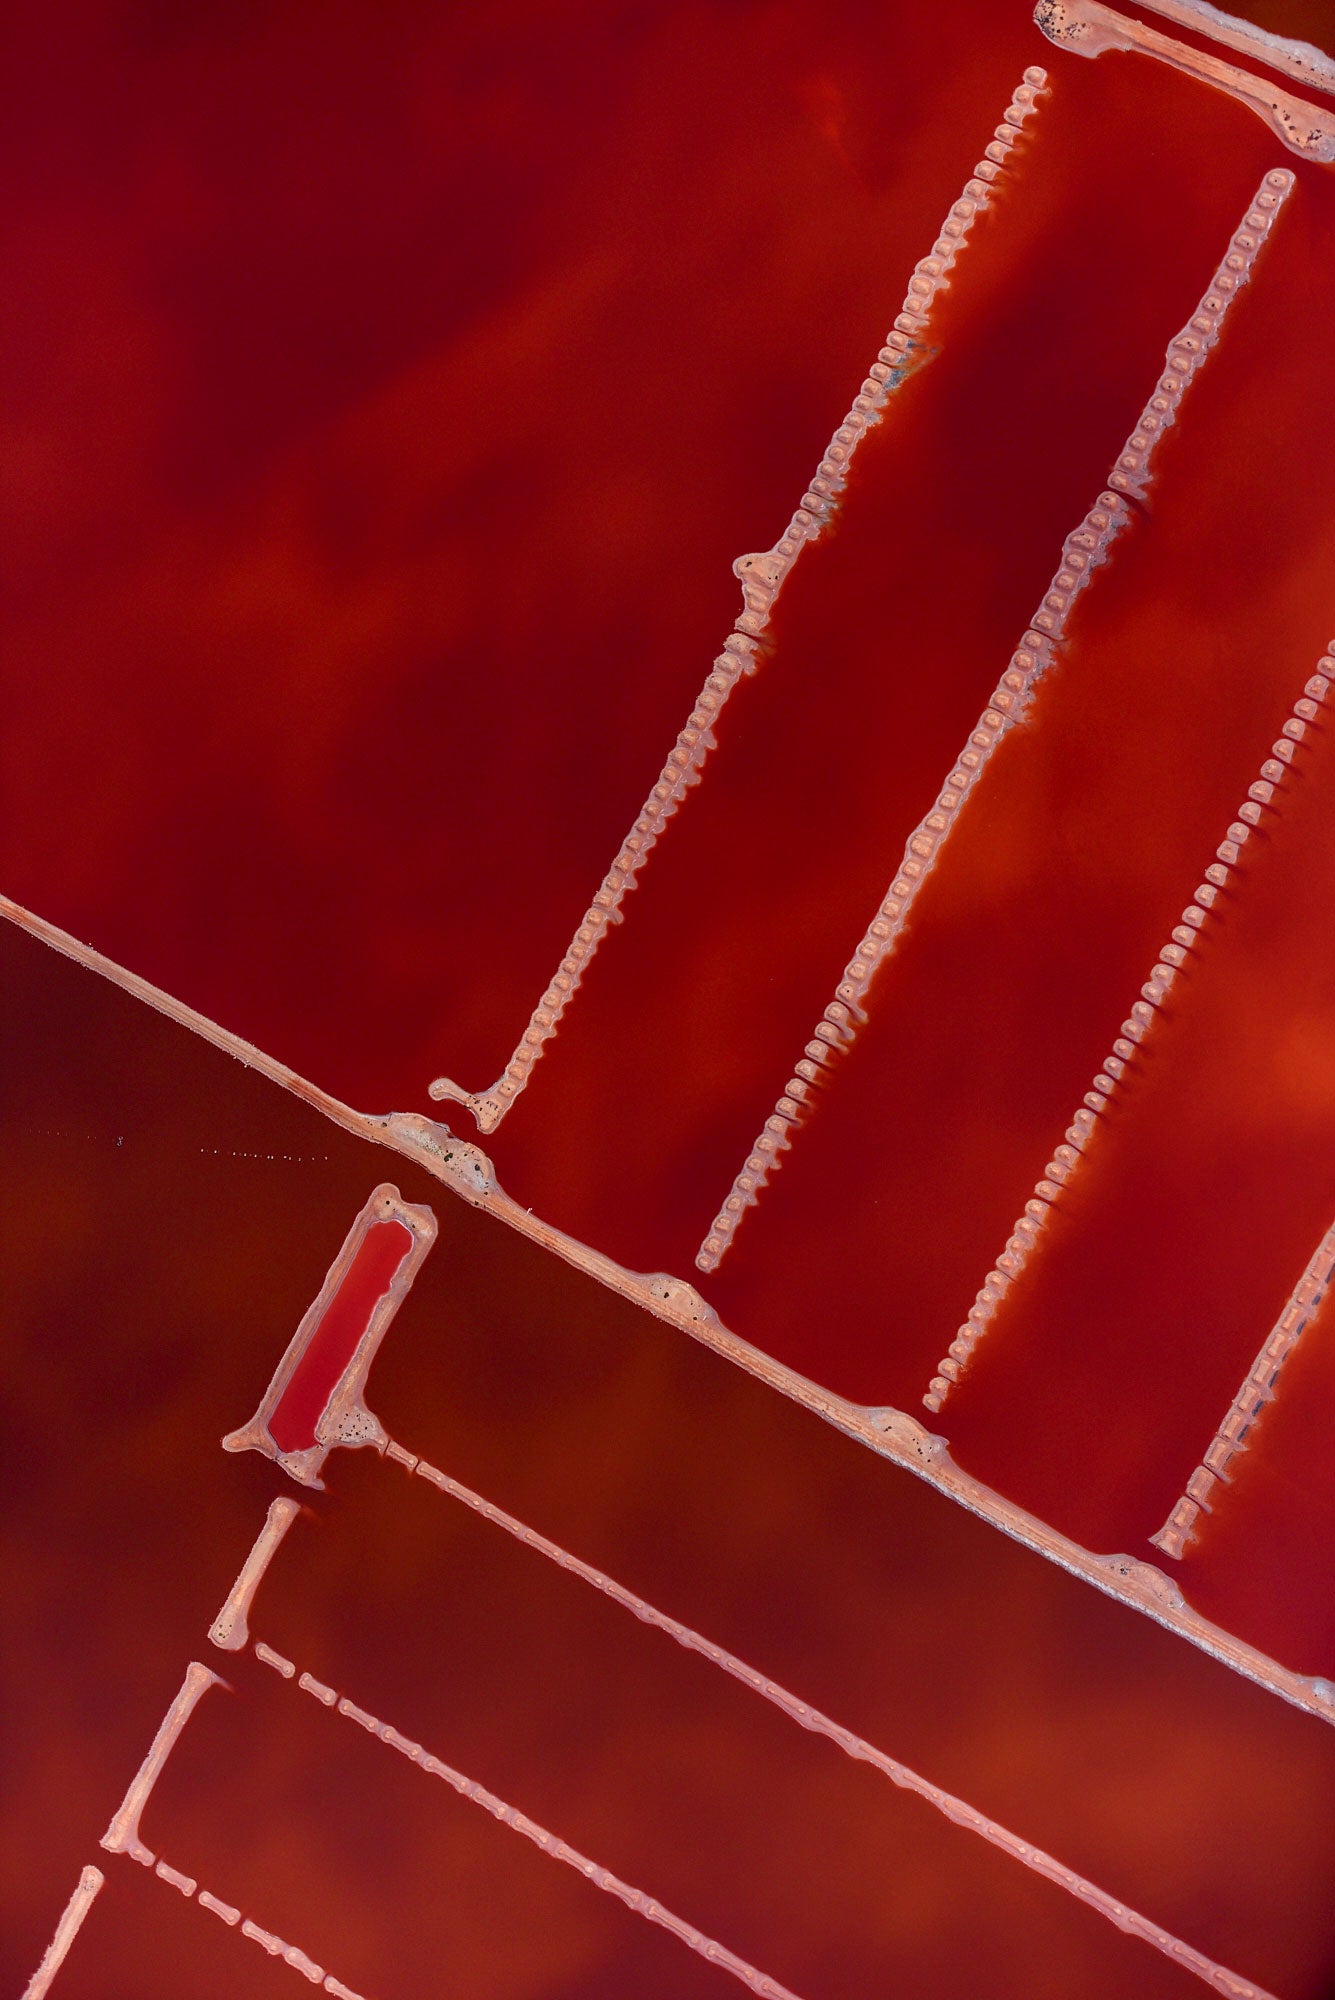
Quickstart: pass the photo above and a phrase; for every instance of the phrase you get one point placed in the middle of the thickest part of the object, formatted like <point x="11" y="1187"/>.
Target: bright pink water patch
<point x="334" y="1341"/>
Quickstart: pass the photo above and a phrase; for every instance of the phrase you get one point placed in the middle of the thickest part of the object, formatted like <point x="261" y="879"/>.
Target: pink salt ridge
<point x="1117" y="1071"/>
<point x="1038" y="652"/>
<point x="1300" y="60"/>
<point x="268" y="1941"/>
<point x="175" y="1879"/>
<point x="280" y="1665"/>
<point x="71" y="1923"/>
<point x="122" y="1836"/>
<point x="227" y="1911"/>
<point x="335" y="1412"/>
<point x="230" y="1630"/>
<point x="762" y="577"/>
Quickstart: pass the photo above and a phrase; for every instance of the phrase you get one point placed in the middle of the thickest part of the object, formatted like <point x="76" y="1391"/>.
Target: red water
<point x="643" y="1756"/>
<point x="389" y="402"/>
<point x="334" y="1341"/>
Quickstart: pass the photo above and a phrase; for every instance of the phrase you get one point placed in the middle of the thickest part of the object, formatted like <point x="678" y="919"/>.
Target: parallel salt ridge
<point x="560" y="1850"/>
<point x="276" y="1947"/>
<point x="761" y="577"/>
<point x="123" y="1836"/>
<point x="1248" y="1406"/>
<point x="1261" y="798"/>
<point x="175" y="1879"/>
<point x="854" y="1746"/>
<point x="275" y="1660"/>
<point x="71" y="1922"/>
<point x="1038" y="651"/>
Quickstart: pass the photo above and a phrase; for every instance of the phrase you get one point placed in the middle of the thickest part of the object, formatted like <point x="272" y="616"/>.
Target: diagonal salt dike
<point x="1261" y="798"/>
<point x="1038" y="651"/>
<point x="123" y="1836"/>
<point x="246" y="1927"/>
<point x="560" y="1850"/>
<point x="1309" y="66"/>
<point x="802" y="1712"/>
<point x="1248" y="1406"/>
<point x="230" y="1630"/>
<point x="468" y="1174"/>
<point x="71" y="1923"/>
<point x="762" y="577"/>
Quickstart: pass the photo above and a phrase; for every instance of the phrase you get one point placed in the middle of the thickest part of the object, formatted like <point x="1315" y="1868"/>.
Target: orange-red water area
<point x="721" y="1502"/>
<point x="888" y="640"/>
<point x="1206" y="1189"/>
<point x="334" y="1340"/>
<point x="1069" y="867"/>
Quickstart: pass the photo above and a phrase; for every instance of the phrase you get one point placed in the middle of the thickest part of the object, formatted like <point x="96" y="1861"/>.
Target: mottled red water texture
<point x="334" y="1340"/>
<point x="1076" y="856"/>
<point x="390" y="392"/>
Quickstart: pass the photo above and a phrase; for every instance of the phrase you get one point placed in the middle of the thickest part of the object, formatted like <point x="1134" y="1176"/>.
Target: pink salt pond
<point x="334" y="1341"/>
